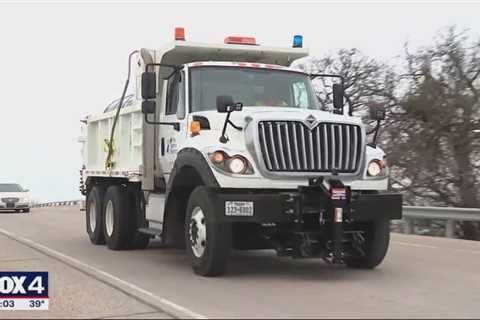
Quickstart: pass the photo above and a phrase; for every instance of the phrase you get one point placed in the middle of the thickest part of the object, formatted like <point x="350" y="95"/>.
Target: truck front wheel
<point x="207" y="239"/>
<point x="371" y="247"/>
<point x="94" y="216"/>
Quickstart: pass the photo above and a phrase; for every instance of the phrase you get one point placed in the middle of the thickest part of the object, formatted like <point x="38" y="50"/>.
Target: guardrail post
<point x="82" y="205"/>
<point x="408" y="226"/>
<point x="450" y="228"/>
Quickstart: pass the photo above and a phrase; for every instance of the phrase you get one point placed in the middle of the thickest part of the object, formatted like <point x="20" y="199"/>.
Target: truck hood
<point x="242" y="118"/>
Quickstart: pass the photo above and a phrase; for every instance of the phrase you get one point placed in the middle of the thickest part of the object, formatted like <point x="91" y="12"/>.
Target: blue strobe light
<point x="297" y="41"/>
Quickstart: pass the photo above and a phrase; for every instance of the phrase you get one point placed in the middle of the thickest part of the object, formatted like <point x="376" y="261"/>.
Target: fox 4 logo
<point x="24" y="284"/>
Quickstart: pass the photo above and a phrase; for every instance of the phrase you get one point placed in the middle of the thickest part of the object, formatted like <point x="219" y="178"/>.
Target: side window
<point x="172" y="94"/>
<point x="300" y="95"/>
<point x="181" y="97"/>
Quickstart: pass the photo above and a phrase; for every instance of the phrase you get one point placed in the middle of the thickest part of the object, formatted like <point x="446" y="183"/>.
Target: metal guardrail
<point x="58" y="203"/>
<point x="450" y="214"/>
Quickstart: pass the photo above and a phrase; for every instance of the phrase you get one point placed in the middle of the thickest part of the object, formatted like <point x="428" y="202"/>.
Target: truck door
<point x="175" y="111"/>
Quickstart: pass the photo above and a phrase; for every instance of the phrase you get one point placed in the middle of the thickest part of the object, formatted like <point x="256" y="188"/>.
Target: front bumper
<point x="14" y="206"/>
<point x="274" y="206"/>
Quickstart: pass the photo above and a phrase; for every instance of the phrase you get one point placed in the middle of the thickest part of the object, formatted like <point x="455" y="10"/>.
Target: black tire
<point x="139" y="240"/>
<point x="18" y="211"/>
<point x="26" y="210"/>
<point x="95" y="202"/>
<point x="217" y="245"/>
<point x="123" y="226"/>
<point x="377" y="239"/>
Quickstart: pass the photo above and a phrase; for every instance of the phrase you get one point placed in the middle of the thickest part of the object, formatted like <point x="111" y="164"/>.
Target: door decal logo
<point x="172" y="146"/>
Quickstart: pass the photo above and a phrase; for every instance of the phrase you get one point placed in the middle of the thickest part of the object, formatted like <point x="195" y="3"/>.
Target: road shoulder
<point x="73" y="294"/>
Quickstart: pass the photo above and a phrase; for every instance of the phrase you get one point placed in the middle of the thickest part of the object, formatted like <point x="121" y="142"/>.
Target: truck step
<point x="151" y="231"/>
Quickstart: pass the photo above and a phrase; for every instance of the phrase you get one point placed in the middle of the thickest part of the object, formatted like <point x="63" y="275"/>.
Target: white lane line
<point x="415" y="245"/>
<point x="433" y="247"/>
<point x="469" y="251"/>
<point x="163" y="304"/>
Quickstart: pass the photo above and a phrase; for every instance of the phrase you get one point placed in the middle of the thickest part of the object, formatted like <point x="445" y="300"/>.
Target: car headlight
<point x="376" y="167"/>
<point x="236" y="164"/>
<point x="25" y="200"/>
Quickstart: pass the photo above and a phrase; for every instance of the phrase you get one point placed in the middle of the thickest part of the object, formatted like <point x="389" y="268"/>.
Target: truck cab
<point x="226" y="146"/>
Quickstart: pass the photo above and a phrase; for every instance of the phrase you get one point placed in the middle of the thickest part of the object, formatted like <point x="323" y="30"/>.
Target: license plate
<point x="239" y="208"/>
<point x="10" y="205"/>
<point x="339" y="193"/>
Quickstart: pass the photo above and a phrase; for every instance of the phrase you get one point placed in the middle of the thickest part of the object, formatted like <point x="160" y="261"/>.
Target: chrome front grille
<point x="10" y="200"/>
<point x="290" y="146"/>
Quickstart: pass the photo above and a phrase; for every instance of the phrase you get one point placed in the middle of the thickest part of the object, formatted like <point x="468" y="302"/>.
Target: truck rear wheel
<point x="94" y="215"/>
<point x="208" y="240"/>
<point x="140" y="241"/>
<point x="119" y="226"/>
<point x="374" y="246"/>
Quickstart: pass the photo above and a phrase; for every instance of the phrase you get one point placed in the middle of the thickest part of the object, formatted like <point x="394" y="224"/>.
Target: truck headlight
<point x="218" y="157"/>
<point x="236" y="164"/>
<point x="376" y="167"/>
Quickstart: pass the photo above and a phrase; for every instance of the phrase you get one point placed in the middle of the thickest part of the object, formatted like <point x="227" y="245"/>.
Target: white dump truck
<point x="225" y="146"/>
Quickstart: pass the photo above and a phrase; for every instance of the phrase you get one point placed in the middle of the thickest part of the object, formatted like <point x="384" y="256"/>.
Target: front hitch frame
<point x="340" y="196"/>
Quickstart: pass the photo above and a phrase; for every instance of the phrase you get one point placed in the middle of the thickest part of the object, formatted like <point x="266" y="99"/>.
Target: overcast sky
<point x="60" y="62"/>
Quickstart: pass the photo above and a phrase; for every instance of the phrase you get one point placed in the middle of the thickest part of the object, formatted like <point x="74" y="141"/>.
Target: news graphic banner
<point x="24" y="291"/>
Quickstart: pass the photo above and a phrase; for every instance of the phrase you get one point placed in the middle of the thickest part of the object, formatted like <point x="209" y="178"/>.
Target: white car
<point x="14" y="197"/>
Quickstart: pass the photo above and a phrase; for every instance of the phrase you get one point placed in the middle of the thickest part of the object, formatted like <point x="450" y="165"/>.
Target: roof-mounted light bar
<point x="297" y="39"/>
<point x="240" y="40"/>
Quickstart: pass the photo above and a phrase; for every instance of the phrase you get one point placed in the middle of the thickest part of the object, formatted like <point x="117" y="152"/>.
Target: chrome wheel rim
<point x="109" y="218"/>
<point x="92" y="216"/>
<point x="198" y="232"/>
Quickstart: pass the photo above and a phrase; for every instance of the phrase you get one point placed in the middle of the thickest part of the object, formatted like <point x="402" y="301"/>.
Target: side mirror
<point x="338" y="95"/>
<point x="148" y="106"/>
<point x="377" y="112"/>
<point x="226" y="104"/>
<point x="149" y="85"/>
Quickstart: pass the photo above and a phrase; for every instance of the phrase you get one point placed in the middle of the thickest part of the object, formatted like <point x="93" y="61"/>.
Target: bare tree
<point x="432" y="134"/>
<point x="436" y="152"/>
<point x="366" y="79"/>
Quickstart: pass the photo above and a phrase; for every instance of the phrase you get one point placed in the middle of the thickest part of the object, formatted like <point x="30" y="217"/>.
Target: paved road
<point x="67" y="293"/>
<point x="421" y="276"/>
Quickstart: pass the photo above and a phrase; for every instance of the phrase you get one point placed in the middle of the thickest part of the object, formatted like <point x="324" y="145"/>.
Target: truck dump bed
<point x="128" y="143"/>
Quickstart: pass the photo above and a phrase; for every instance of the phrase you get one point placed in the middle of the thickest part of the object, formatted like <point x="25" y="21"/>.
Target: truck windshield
<point x="250" y="86"/>
<point x="10" y="187"/>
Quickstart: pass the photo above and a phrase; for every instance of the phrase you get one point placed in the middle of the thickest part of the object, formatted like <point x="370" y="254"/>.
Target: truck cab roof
<point x="183" y="52"/>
